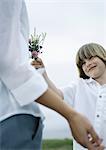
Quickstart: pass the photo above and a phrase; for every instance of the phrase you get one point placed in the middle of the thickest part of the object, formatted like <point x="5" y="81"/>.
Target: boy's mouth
<point x="91" y="68"/>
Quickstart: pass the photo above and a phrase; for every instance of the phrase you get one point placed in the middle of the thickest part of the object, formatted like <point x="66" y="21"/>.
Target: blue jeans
<point x="21" y="132"/>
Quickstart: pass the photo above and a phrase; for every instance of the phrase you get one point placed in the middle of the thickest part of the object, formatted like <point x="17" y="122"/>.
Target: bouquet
<point x="36" y="44"/>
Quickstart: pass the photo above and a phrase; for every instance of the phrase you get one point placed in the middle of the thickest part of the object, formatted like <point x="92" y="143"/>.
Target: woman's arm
<point x="19" y="77"/>
<point x="79" y="125"/>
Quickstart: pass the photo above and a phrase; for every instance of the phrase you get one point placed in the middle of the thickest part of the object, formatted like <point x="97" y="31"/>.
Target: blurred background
<point x="69" y="24"/>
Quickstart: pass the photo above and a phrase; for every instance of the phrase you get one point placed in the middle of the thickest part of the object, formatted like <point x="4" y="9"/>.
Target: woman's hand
<point x="84" y="133"/>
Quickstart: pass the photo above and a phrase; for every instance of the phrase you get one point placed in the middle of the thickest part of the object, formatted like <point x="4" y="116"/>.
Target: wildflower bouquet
<point x="36" y="44"/>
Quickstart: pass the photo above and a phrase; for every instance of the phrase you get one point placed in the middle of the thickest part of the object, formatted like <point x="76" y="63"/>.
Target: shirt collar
<point x="90" y="80"/>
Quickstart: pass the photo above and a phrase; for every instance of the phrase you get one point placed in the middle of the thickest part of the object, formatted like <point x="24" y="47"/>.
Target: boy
<point x="88" y="95"/>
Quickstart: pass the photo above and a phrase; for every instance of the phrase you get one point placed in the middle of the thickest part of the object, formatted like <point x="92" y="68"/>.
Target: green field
<point x="57" y="144"/>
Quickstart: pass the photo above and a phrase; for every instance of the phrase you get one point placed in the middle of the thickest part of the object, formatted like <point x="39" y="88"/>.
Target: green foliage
<point x="57" y="144"/>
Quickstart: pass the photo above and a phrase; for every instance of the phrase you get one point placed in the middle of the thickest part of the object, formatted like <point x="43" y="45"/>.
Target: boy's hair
<point x="86" y="52"/>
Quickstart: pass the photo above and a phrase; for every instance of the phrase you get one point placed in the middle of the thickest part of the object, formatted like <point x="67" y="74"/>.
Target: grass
<point x="57" y="144"/>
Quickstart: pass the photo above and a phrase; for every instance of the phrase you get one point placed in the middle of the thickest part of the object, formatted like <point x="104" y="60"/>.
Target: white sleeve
<point x="21" y="79"/>
<point x="69" y="94"/>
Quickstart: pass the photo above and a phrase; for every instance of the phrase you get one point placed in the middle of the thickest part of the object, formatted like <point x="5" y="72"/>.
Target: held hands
<point x="84" y="133"/>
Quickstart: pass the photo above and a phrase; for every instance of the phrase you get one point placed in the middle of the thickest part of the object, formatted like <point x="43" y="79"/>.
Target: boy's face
<point x="94" y="67"/>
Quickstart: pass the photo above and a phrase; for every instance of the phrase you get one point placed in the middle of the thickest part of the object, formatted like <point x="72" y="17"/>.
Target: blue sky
<point x="69" y="24"/>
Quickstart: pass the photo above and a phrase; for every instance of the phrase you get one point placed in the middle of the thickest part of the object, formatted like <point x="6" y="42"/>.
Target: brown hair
<point x="86" y="52"/>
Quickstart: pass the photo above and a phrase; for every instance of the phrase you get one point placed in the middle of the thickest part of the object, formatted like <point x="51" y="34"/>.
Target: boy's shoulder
<point x="85" y="82"/>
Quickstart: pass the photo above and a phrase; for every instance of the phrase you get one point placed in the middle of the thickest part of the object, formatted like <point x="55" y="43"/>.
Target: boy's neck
<point x="101" y="82"/>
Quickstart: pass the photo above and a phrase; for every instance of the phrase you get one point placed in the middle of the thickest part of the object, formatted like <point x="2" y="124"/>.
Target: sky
<point x="69" y="24"/>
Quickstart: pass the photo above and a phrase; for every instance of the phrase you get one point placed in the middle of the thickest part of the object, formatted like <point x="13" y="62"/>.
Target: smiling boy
<point x="88" y="95"/>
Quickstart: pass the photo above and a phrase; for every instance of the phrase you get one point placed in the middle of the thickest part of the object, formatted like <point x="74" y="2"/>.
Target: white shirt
<point x="20" y="84"/>
<point x="89" y="98"/>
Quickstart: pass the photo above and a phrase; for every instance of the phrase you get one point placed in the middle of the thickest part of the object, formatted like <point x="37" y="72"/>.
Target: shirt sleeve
<point x="23" y="81"/>
<point x="69" y="93"/>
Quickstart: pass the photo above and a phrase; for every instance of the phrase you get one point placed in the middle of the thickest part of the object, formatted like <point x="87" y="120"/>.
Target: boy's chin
<point x="94" y="77"/>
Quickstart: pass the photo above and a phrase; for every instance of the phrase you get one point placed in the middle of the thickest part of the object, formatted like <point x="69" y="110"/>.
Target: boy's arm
<point x="52" y="85"/>
<point x="39" y="64"/>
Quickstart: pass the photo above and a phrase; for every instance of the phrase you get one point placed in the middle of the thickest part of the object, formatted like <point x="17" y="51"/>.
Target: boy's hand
<point x="38" y="63"/>
<point x="81" y="129"/>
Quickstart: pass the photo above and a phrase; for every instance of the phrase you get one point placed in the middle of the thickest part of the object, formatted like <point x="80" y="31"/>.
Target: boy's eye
<point x="83" y="62"/>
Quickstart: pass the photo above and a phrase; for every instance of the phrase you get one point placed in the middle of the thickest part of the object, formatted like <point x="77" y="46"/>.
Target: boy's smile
<point x="90" y="68"/>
